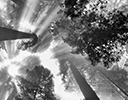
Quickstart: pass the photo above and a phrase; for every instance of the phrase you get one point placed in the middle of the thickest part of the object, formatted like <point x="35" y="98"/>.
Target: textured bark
<point x="87" y="91"/>
<point x="9" y="34"/>
<point x="118" y="88"/>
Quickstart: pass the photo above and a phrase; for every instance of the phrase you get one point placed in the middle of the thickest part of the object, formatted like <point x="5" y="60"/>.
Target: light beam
<point x="13" y="70"/>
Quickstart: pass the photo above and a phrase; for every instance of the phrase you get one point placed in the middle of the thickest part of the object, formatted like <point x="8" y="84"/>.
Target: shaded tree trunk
<point x="87" y="91"/>
<point x="9" y="34"/>
<point x="119" y="89"/>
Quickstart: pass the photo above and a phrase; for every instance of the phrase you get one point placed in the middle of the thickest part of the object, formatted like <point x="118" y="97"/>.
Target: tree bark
<point x="87" y="91"/>
<point x="9" y="34"/>
<point x="124" y="94"/>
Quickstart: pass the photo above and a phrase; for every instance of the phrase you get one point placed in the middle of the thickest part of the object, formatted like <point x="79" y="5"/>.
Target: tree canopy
<point x="37" y="85"/>
<point x="90" y="30"/>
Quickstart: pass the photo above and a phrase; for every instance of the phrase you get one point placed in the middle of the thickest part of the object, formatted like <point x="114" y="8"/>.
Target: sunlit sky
<point x="47" y="61"/>
<point x="31" y="20"/>
<point x="17" y="61"/>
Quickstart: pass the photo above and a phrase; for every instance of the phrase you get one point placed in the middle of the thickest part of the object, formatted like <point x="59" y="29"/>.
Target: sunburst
<point x="13" y="70"/>
<point x="14" y="62"/>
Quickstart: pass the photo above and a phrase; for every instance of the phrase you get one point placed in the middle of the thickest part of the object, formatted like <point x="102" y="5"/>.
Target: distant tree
<point x="38" y="85"/>
<point x="67" y="76"/>
<point x="73" y="7"/>
<point x="102" y="37"/>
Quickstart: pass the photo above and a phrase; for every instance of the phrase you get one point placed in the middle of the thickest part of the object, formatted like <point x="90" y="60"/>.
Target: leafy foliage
<point x="37" y="85"/>
<point x="102" y="37"/>
<point x="67" y="76"/>
<point x="74" y="7"/>
<point x="28" y="44"/>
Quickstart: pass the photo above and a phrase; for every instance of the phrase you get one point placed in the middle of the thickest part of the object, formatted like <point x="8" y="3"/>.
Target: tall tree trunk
<point x="9" y="34"/>
<point x="119" y="89"/>
<point x="87" y="91"/>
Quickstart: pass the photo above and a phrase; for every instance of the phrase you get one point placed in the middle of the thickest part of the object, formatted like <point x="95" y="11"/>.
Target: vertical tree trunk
<point x="87" y="91"/>
<point x="119" y="89"/>
<point x="9" y="34"/>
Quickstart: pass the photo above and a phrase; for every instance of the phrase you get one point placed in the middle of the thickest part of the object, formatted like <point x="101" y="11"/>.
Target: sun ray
<point x="48" y="20"/>
<point x="27" y="12"/>
<point x="3" y="55"/>
<point x="41" y="16"/>
<point x="13" y="70"/>
<point x="17" y="61"/>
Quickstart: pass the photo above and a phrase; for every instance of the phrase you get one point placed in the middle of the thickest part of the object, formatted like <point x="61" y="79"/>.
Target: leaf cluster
<point x="103" y="38"/>
<point x="37" y="85"/>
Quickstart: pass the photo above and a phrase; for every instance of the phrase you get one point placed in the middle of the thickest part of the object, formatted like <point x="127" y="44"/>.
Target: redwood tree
<point x="102" y="37"/>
